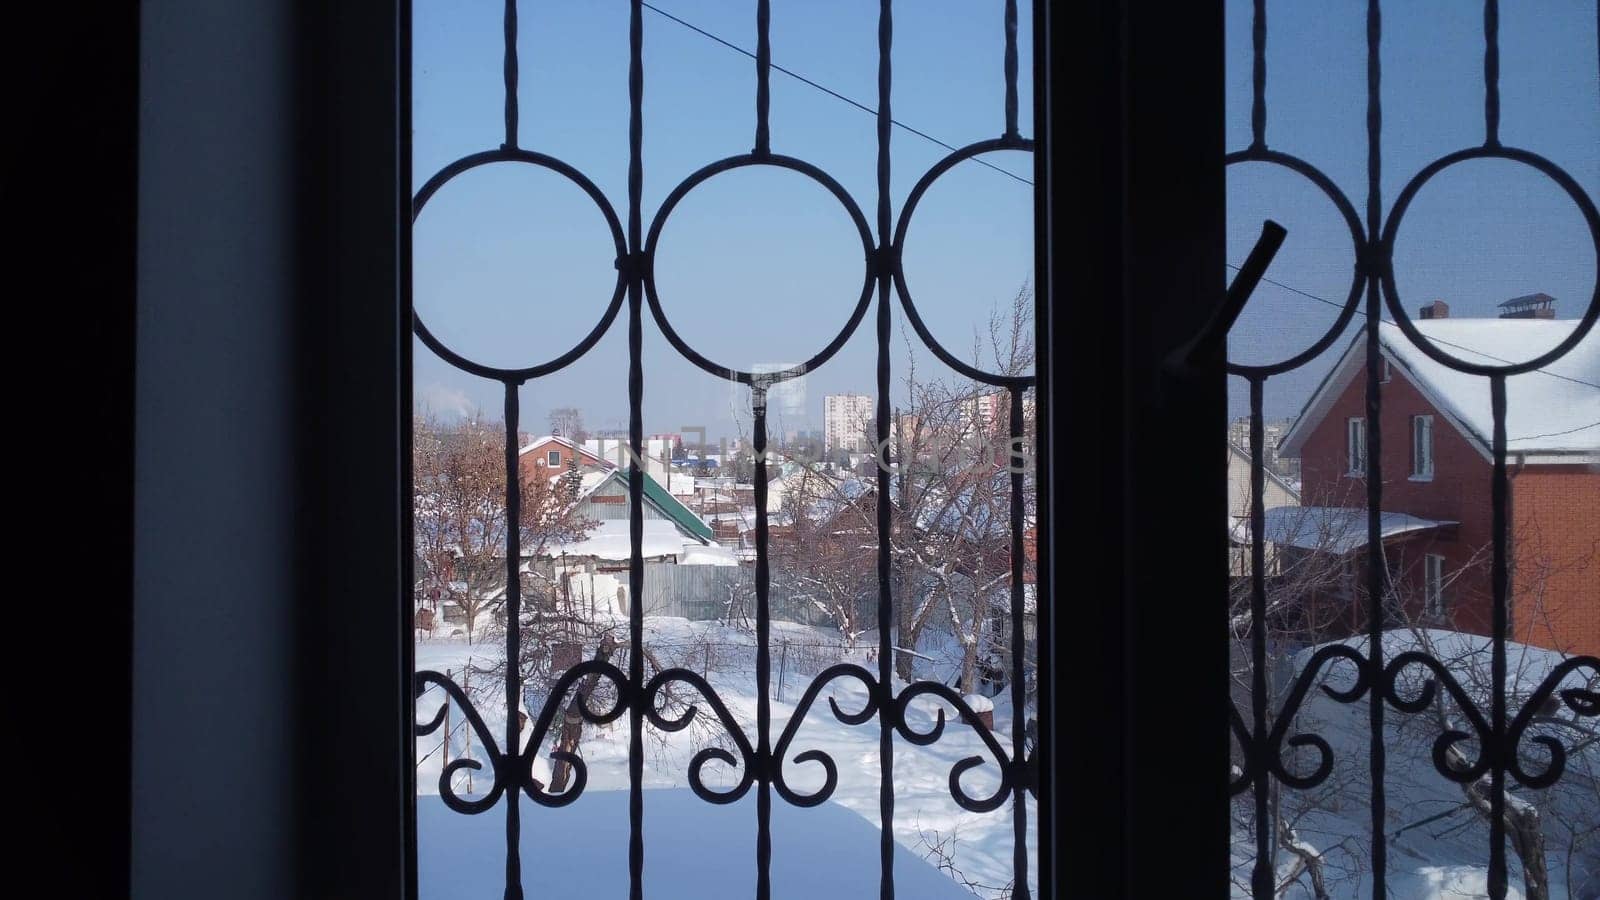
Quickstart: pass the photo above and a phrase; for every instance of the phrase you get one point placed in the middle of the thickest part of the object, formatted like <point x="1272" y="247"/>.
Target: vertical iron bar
<point x="636" y="439"/>
<point x="1044" y="745"/>
<point x="758" y="401"/>
<point x="1263" y="876"/>
<point x="1498" y="749"/>
<point x="885" y="599"/>
<point x="763" y="75"/>
<point x="1258" y="86"/>
<point x="511" y="76"/>
<point x="1019" y="750"/>
<point x="513" y="645"/>
<point x="1372" y="263"/>
<point x="1491" y="73"/>
<point x="1011" y="69"/>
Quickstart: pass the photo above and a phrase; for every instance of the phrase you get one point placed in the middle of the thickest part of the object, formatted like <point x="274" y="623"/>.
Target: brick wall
<point x="1457" y="492"/>
<point x="1555" y="513"/>
<point x="535" y="463"/>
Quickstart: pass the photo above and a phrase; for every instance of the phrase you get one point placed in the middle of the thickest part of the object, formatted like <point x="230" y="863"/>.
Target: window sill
<point x="1420" y="478"/>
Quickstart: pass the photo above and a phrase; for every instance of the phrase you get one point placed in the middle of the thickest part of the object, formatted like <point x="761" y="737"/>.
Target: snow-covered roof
<point x="1244" y="455"/>
<point x="655" y="496"/>
<point x="558" y="439"/>
<point x="609" y="540"/>
<point x="591" y="480"/>
<point x="1552" y="415"/>
<point x="1331" y="529"/>
<point x="712" y="554"/>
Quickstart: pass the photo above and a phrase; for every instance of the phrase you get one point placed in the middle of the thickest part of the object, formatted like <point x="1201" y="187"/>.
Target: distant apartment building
<point x="987" y="413"/>
<point x="847" y="422"/>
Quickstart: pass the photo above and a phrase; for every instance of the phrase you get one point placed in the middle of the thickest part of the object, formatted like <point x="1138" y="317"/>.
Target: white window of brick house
<point x="1433" y="585"/>
<point x="1421" y="448"/>
<point x="1356" y="446"/>
<point x="553" y="458"/>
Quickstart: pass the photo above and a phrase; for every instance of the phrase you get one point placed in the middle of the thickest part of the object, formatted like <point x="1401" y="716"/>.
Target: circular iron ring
<point x="552" y="164"/>
<point x="903" y="225"/>
<point x="707" y="173"/>
<point x="1391" y="295"/>
<point x="1358" y="239"/>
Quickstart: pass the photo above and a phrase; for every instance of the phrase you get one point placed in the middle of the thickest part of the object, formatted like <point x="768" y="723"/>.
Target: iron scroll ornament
<point x="1583" y="703"/>
<point x="1008" y="772"/>
<point x="514" y="770"/>
<point x="1264" y="753"/>
<point x="424" y="681"/>
<point x="829" y="769"/>
<point x="746" y="762"/>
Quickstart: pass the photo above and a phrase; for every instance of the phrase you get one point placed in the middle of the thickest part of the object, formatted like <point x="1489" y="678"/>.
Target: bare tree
<point x="1316" y="592"/>
<point x="567" y="421"/>
<point x="950" y="459"/>
<point x="458" y="473"/>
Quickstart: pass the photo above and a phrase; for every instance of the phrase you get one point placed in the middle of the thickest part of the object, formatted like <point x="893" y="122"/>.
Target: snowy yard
<point x="830" y="850"/>
<point x="1438" y="845"/>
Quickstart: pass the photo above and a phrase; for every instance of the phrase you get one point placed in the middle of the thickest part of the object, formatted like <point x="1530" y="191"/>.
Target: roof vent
<point x="1438" y="309"/>
<point x="1533" y="306"/>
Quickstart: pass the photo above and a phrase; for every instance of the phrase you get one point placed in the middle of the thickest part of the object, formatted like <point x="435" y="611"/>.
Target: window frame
<point x="1147" y="235"/>
<point x="1433" y="599"/>
<point x="1355" y="447"/>
<point x="552" y="459"/>
<point x="1422" y="447"/>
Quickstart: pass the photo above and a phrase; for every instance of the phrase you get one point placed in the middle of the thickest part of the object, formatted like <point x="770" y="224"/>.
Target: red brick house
<point x="1437" y="465"/>
<point x="549" y="455"/>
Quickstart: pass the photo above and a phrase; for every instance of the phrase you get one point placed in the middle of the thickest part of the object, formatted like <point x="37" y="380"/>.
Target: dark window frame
<point x="1145" y="238"/>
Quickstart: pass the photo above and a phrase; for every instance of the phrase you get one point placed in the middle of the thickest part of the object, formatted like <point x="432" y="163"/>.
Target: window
<point x="1356" y="446"/>
<point x="515" y="530"/>
<point x="1421" y="448"/>
<point x="1388" y="374"/>
<point x="1433" y="585"/>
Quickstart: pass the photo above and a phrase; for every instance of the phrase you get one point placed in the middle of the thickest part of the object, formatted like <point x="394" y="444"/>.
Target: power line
<point x="833" y="93"/>
<point x="1558" y="433"/>
<point x="1363" y="314"/>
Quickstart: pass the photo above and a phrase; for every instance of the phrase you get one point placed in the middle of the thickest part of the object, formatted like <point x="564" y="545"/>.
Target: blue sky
<point x="513" y="266"/>
<point x="1479" y="233"/>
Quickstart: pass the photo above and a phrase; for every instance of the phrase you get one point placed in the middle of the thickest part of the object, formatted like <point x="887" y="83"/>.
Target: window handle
<point x="1208" y="344"/>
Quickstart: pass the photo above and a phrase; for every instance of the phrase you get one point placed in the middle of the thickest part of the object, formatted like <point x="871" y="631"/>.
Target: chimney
<point x="1533" y="306"/>
<point x="1438" y="309"/>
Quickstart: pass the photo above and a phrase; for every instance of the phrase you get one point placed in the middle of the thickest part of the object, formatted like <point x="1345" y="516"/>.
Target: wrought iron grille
<point x="760" y="762"/>
<point x="1499" y="732"/>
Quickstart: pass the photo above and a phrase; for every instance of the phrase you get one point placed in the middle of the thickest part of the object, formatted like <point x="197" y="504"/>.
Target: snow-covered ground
<point x="1438" y="847"/>
<point x="692" y="851"/>
<point x="594" y="829"/>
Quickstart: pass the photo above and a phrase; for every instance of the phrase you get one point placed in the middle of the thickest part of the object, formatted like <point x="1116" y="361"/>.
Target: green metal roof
<point x="681" y="515"/>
